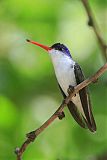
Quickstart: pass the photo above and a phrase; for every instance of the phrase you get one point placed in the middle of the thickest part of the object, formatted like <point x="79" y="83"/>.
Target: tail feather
<point x="76" y="115"/>
<point x="86" y="104"/>
<point x="81" y="120"/>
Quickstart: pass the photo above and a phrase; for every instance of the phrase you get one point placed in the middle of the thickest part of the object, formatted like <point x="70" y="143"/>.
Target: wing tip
<point x="92" y="128"/>
<point x="91" y="125"/>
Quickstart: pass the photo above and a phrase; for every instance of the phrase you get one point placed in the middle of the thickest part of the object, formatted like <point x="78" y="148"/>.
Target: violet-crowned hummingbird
<point x="69" y="74"/>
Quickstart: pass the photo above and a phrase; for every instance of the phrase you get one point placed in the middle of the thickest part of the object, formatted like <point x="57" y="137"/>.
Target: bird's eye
<point x="60" y="49"/>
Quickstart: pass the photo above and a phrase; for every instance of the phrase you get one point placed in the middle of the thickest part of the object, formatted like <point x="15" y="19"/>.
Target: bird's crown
<point x="62" y="48"/>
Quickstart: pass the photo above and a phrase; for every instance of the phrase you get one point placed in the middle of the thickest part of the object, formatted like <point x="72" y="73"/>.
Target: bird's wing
<point x="74" y="112"/>
<point x="85" y="99"/>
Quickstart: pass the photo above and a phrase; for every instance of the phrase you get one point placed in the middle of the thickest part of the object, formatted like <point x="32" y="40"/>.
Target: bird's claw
<point x="70" y="89"/>
<point x="60" y="115"/>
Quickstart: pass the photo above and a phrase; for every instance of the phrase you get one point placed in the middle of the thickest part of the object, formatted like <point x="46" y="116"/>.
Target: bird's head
<point x="55" y="48"/>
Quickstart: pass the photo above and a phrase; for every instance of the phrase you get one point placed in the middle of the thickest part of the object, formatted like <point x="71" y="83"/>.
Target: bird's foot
<point x="70" y="89"/>
<point x="60" y="115"/>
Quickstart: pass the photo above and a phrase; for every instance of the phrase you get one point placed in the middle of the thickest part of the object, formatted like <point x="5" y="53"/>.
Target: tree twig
<point x="32" y="135"/>
<point x="93" y="23"/>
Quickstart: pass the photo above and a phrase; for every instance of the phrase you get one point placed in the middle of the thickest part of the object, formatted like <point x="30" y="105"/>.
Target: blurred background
<point x="29" y="93"/>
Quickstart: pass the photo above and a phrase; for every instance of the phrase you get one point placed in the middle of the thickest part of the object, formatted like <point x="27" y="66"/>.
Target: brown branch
<point x="32" y="135"/>
<point x="93" y="23"/>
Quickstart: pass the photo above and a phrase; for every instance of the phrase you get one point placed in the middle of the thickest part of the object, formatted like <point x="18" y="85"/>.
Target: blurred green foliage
<point x="28" y="90"/>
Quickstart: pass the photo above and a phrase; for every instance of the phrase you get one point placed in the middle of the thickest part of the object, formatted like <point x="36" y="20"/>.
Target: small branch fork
<point x="32" y="135"/>
<point x="93" y="24"/>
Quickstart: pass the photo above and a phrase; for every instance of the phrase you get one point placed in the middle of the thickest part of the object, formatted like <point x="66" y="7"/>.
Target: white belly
<point x="65" y="76"/>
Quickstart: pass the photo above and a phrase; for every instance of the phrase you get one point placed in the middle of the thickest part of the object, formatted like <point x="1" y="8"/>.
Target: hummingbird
<point x="69" y="74"/>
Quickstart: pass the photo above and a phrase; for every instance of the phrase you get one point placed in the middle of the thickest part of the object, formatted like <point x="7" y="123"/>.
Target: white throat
<point x="59" y="58"/>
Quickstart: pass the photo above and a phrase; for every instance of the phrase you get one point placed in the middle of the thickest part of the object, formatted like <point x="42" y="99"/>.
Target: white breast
<point x="64" y="70"/>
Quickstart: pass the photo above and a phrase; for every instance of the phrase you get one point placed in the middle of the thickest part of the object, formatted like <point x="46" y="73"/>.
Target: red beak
<point x="40" y="45"/>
